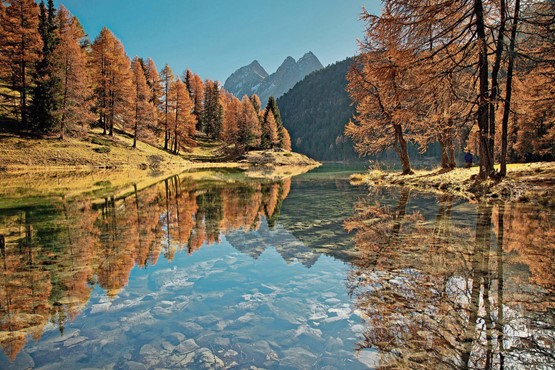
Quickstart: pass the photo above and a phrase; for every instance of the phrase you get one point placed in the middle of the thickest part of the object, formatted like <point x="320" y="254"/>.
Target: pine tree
<point x="21" y="46"/>
<point x="212" y="115"/>
<point x="70" y="68"/>
<point x="255" y="100"/>
<point x="166" y="78"/>
<point x="47" y="90"/>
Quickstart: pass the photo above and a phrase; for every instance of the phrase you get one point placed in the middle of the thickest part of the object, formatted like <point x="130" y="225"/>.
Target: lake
<point x="308" y="272"/>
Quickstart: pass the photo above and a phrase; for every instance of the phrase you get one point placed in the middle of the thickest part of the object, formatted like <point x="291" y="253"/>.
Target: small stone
<point x="192" y="327"/>
<point x="148" y="350"/>
<point x="186" y="346"/>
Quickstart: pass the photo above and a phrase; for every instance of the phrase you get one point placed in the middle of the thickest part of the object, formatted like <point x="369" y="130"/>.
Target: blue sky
<point x="215" y="37"/>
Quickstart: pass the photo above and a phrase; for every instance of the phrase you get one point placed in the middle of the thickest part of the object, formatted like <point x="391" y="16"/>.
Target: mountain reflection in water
<point x="466" y="287"/>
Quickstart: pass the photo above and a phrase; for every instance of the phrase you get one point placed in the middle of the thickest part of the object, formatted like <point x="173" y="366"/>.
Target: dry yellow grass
<point x="95" y="151"/>
<point x="524" y="182"/>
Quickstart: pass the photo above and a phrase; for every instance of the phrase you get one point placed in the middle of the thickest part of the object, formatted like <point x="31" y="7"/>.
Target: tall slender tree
<point x="140" y="99"/>
<point x="167" y="79"/>
<point x="155" y="87"/>
<point x="184" y="120"/>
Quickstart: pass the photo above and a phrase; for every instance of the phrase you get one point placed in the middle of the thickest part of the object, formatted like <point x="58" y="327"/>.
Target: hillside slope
<point x="315" y="112"/>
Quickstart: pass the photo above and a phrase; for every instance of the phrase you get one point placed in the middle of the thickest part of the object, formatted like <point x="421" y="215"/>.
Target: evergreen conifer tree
<point x="47" y="91"/>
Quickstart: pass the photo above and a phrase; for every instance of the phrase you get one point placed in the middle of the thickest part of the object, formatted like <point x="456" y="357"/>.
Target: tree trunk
<point x="486" y="161"/>
<point x="444" y="155"/>
<point x="136" y="117"/>
<point x="23" y="101"/>
<point x="508" y="92"/>
<point x="494" y="95"/>
<point x="402" y="150"/>
<point x="451" y="153"/>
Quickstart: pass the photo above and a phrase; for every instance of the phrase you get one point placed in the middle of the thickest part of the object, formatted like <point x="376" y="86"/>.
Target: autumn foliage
<point x="469" y="74"/>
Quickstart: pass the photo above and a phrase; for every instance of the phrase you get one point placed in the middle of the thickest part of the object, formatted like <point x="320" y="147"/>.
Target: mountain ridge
<point x="253" y="78"/>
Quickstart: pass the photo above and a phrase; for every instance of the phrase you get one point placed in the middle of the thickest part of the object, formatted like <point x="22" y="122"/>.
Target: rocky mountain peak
<point x="253" y="79"/>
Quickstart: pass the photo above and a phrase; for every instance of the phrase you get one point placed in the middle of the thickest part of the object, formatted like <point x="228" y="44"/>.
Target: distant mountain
<point x="315" y="112"/>
<point x="253" y="79"/>
<point x="246" y="79"/>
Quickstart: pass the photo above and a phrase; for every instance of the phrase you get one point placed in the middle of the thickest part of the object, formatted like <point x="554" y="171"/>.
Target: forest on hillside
<point x="55" y="82"/>
<point x="315" y="112"/>
<point x="477" y="73"/>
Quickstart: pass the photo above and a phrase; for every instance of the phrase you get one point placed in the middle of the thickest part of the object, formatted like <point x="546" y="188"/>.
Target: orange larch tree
<point x="21" y="46"/>
<point x="155" y="86"/>
<point x="249" y="125"/>
<point x="270" y="136"/>
<point x="70" y="67"/>
<point x="184" y="120"/>
<point x="111" y="73"/>
<point x="232" y="109"/>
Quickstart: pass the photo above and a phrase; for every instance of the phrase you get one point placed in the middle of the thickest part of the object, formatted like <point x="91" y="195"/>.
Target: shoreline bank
<point x="525" y="182"/>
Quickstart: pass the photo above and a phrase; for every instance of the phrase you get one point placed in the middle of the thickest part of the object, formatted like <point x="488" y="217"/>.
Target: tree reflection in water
<point x="54" y="254"/>
<point x="447" y="292"/>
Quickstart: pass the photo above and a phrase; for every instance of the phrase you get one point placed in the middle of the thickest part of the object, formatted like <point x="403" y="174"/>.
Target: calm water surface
<point x="309" y="272"/>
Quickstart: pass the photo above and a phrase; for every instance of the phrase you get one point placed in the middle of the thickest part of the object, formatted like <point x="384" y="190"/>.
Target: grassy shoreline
<point x="20" y="154"/>
<point x="43" y="167"/>
<point x="528" y="182"/>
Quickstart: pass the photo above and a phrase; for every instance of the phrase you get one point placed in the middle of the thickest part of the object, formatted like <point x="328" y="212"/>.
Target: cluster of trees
<point x="50" y="268"/>
<point x="53" y="80"/>
<point x="475" y="71"/>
